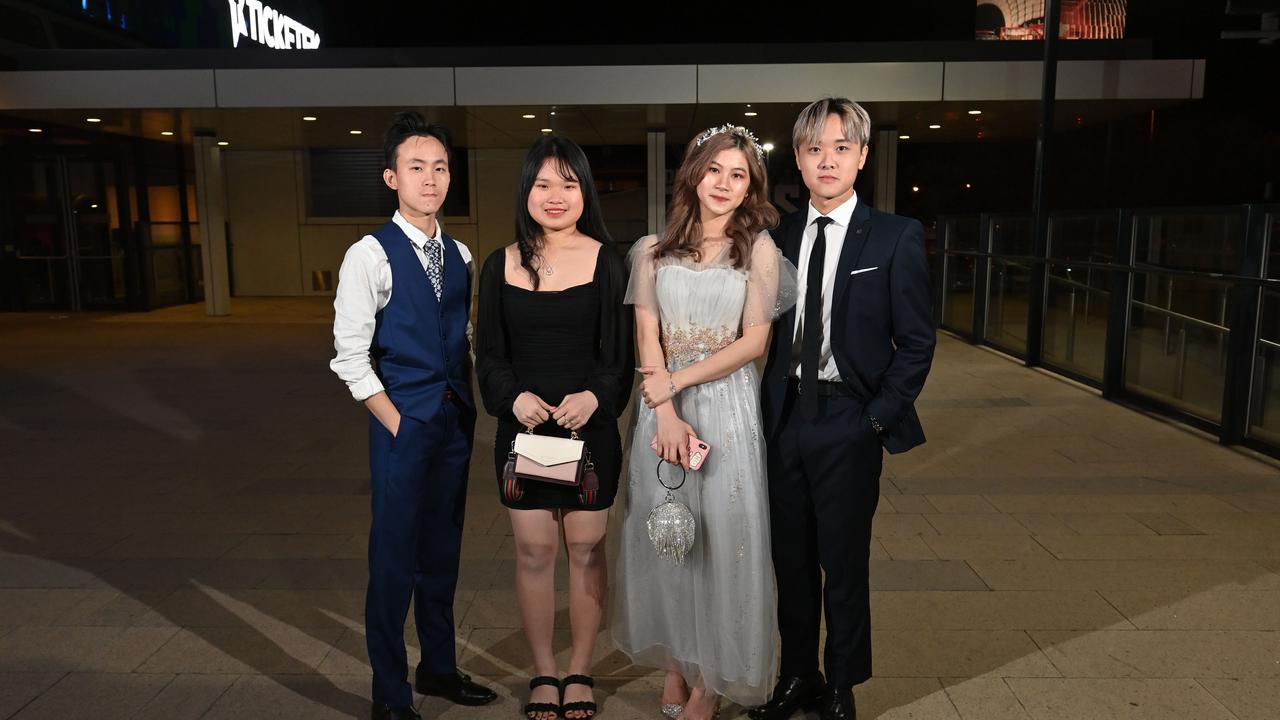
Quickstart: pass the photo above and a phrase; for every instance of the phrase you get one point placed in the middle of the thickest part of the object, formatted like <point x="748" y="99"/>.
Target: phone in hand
<point x="698" y="451"/>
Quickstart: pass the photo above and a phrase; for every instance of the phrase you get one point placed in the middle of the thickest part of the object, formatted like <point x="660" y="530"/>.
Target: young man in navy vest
<point x="844" y="370"/>
<point x="400" y="331"/>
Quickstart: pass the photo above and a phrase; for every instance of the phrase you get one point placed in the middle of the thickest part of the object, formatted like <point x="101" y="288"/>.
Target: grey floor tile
<point x="79" y="649"/>
<point x="274" y="649"/>
<point x="967" y="547"/>
<point x="1181" y="575"/>
<point x="136" y="608"/>
<point x="900" y="525"/>
<point x="293" y="697"/>
<point x="1163" y="653"/>
<point x="1116" y="699"/>
<point x="26" y="606"/>
<point x="984" y="524"/>
<point x="109" y="696"/>
<point x="903" y="698"/>
<point x="1162" y="547"/>
<point x="924" y="575"/>
<point x="284" y="547"/>
<point x="187" y="697"/>
<point x="1247" y="699"/>
<point x="979" y="610"/>
<point x="22" y="571"/>
<point x="171" y="545"/>
<point x="907" y="547"/>
<point x="17" y="689"/>
<point x="1208" y="610"/>
<point x="984" y="699"/>
<point x="971" y="653"/>
<point x="961" y="504"/>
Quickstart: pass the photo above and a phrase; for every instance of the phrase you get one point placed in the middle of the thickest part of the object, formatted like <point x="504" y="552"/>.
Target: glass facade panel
<point x="1009" y="284"/>
<point x="958" y="277"/>
<point x="1078" y="296"/>
<point x="1264" y="411"/>
<point x="1177" y="342"/>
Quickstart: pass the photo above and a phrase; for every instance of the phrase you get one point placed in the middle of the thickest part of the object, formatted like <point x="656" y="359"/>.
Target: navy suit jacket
<point x="882" y="331"/>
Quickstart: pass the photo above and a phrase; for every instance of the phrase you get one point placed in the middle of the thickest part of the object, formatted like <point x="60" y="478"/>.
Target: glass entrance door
<point x="69" y="248"/>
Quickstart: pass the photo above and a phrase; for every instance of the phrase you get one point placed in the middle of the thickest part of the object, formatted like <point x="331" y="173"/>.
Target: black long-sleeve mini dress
<point x="552" y="344"/>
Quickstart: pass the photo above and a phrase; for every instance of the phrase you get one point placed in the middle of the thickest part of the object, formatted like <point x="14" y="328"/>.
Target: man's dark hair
<point x="410" y="123"/>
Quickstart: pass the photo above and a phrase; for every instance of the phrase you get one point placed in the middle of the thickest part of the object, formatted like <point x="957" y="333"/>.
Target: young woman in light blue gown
<point x="705" y="293"/>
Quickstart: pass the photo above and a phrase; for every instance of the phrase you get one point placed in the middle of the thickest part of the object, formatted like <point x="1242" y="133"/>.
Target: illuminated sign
<point x="265" y="24"/>
<point x="1024" y="19"/>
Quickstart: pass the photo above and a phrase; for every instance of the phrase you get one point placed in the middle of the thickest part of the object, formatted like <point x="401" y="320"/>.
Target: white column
<point x="211" y="204"/>
<point x="656" y="172"/>
<point x="886" y="162"/>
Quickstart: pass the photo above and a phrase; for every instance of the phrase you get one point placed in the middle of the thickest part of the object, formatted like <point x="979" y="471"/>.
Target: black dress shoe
<point x="456" y="688"/>
<point x="838" y="705"/>
<point x="385" y="712"/>
<point x="792" y="693"/>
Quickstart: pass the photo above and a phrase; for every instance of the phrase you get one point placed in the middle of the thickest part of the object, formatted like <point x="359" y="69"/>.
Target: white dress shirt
<point x="835" y="233"/>
<point x="364" y="289"/>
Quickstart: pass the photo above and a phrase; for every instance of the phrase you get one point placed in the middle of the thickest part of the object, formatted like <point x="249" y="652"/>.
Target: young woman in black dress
<point x="554" y="353"/>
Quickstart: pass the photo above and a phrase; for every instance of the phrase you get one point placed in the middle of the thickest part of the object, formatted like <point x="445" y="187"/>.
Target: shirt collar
<point x="842" y="215"/>
<point x="416" y="236"/>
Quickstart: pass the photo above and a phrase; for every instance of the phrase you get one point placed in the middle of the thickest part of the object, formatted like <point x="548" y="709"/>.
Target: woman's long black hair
<point x="572" y="164"/>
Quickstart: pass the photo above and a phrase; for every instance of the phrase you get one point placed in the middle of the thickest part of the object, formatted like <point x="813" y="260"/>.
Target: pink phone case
<point x="698" y="451"/>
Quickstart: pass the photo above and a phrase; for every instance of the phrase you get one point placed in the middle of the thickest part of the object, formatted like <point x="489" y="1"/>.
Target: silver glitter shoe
<point x="673" y="710"/>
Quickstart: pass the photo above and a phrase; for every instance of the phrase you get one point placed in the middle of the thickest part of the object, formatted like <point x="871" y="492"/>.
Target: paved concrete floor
<point x="184" y="502"/>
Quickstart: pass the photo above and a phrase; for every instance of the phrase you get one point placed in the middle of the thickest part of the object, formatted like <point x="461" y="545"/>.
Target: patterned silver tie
<point x="435" y="273"/>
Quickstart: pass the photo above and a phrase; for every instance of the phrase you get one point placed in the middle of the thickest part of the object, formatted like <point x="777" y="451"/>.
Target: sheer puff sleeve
<point x="615" y="358"/>
<point x="771" y="284"/>
<point x="499" y="385"/>
<point x="642" y="290"/>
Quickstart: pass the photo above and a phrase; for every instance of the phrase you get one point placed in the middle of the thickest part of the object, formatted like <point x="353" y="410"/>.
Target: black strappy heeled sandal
<point x="588" y="707"/>
<point x="533" y="710"/>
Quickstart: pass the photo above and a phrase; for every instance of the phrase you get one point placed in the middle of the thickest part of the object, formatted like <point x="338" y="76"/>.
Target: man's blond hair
<point x="854" y="120"/>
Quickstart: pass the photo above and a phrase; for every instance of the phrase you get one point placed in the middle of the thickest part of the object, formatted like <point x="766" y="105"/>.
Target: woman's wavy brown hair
<point x="683" y="233"/>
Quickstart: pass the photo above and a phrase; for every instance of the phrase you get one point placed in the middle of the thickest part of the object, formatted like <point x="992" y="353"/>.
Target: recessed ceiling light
<point x="546" y="130"/>
<point x="904" y="137"/>
<point x="975" y="112"/>
<point x="751" y="113"/>
<point x="553" y="112"/>
<point x="93" y="120"/>
<point x="935" y="127"/>
<point x="767" y="147"/>
<point x="35" y="130"/>
<point x="915" y="188"/>
<point x="356" y="132"/>
<point x="528" y="116"/>
<point x="94" y="206"/>
<point x="967" y="186"/>
<point x="166" y="133"/>
<point x="223" y="143"/>
<point x="309" y="118"/>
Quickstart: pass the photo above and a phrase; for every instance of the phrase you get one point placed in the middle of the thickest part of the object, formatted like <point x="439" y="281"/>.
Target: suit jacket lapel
<point x="855" y="238"/>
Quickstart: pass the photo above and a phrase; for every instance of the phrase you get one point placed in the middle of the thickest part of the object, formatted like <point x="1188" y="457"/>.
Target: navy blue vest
<point x="420" y="343"/>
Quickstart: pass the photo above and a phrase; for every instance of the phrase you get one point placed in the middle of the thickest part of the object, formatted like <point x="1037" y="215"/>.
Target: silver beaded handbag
<point x="671" y="524"/>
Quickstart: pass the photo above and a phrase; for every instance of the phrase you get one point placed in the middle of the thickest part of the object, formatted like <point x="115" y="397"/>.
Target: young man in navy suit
<point x="844" y="370"/>
<point x="400" y="331"/>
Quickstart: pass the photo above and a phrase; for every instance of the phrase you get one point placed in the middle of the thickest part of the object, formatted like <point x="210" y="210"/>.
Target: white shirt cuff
<point x="365" y="388"/>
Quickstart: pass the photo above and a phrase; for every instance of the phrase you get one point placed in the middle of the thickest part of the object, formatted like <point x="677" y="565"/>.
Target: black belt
<point x="825" y="388"/>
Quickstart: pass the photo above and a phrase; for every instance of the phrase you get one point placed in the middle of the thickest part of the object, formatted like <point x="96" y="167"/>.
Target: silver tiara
<point x="733" y="130"/>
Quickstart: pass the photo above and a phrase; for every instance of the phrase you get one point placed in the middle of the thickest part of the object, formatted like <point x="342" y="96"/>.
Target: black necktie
<point x="811" y="339"/>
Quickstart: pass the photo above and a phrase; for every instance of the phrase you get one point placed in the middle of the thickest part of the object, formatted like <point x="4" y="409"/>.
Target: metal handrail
<point x="1078" y="284"/>
<point x="1269" y="343"/>
<point x="1266" y="283"/>
<point x="1180" y="316"/>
